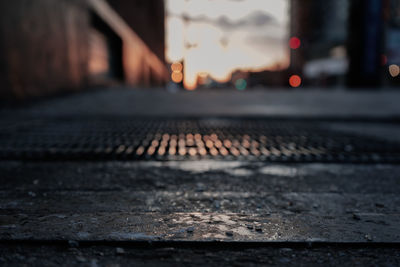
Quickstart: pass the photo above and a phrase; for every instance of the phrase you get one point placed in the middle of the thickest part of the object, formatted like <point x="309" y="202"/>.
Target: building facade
<point x="48" y="47"/>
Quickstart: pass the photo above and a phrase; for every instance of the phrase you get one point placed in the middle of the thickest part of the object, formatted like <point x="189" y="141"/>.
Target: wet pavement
<point x="206" y="201"/>
<point x="205" y="211"/>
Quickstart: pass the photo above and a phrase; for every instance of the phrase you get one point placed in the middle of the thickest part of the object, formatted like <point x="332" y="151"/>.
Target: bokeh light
<point x="295" y="81"/>
<point x="176" y="67"/>
<point x="177" y="77"/>
<point x="241" y="84"/>
<point x="384" y="60"/>
<point x="394" y="70"/>
<point x="294" y="42"/>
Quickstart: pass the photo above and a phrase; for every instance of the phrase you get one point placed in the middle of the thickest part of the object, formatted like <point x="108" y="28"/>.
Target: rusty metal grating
<point x="189" y="139"/>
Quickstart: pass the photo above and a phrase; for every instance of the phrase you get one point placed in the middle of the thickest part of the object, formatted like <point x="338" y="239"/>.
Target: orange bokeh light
<point x="176" y="67"/>
<point x="394" y="70"/>
<point x="177" y="77"/>
<point x="294" y="42"/>
<point x="295" y="81"/>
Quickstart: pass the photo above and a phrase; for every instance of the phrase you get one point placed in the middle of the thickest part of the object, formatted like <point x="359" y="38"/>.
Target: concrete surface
<point x="205" y="212"/>
<point x="231" y="201"/>
<point x="223" y="102"/>
<point x="208" y="255"/>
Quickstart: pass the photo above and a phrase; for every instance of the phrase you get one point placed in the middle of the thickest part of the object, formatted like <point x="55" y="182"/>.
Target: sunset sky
<point x="217" y="37"/>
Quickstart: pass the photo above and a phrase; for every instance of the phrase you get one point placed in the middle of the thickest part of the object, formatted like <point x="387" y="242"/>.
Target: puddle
<point x="315" y="168"/>
<point x="239" y="172"/>
<point x="231" y="167"/>
<point x="279" y="171"/>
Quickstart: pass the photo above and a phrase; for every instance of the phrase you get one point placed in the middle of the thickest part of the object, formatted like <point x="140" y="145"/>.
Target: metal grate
<point x="189" y="139"/>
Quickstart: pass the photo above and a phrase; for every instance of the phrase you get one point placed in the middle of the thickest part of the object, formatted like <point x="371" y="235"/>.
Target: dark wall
<point x="321" y="25"/>
<point x="365" y="44"/>
<point x="141" y="16"/>
<point x="43" y="47"/>
<point x="52" y="46"/>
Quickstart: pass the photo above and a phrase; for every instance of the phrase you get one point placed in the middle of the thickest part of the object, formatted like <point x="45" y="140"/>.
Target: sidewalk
<point x="162" y="212"/>
<point x="255" y="102"/>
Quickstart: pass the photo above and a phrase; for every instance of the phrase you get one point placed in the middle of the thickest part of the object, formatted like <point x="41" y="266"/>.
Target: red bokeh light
<point x="294" y="42"/>
<point x="384" y="60"/>
<point x="295" y="81"/>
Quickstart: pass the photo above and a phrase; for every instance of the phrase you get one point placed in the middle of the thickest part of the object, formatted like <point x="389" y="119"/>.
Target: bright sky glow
<point x="219" y="36"/>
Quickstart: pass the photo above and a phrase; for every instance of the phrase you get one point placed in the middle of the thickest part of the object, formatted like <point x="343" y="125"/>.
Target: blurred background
<point x="54" y="47"/>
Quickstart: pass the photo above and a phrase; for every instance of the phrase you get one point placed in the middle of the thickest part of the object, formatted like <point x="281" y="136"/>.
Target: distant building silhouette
<point x="321" y="27"/>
